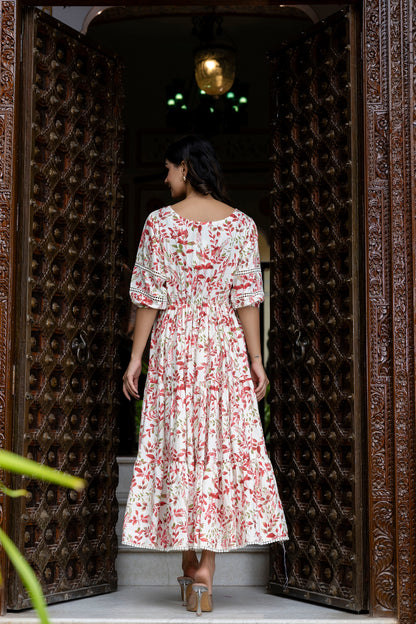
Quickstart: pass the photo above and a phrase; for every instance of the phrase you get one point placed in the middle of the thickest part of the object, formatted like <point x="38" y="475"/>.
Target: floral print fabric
<point x="202" y="478"/>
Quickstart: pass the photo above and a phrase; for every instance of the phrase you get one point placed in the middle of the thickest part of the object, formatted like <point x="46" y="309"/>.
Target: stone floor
<point x="161" y="605"/>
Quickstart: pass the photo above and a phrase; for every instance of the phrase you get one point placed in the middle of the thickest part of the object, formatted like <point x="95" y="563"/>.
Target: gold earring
<point x="184" y="178"/>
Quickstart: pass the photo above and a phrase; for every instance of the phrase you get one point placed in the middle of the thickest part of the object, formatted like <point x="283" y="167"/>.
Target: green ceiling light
<point x="179" y="96"/>
<point x="242" y="100"/>
<point x="171" y="102"/>
<point x="214" y="59"/>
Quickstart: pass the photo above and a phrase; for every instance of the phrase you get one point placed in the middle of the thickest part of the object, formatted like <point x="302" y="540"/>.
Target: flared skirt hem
<point x="209" y="547"/>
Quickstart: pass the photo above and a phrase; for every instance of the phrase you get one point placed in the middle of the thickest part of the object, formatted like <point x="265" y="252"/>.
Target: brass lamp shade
<point x="215" y="69"/>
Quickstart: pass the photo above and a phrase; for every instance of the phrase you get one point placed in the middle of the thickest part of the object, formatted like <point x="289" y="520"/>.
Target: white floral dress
<point x="202" y="478"/>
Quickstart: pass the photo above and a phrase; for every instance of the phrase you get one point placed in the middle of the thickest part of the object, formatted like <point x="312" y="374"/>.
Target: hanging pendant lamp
<point x="214" y="59"/>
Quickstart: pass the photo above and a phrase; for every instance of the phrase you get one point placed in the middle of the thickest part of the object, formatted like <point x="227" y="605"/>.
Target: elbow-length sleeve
<point x="148" y="281"/>
<point x="247" y="287"/>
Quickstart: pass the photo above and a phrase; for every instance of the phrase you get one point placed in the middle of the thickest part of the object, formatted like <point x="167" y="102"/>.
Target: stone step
<point x="125" y="473"/>
<point x="162" y="605"/>
<point x="248" y="566"/>
<point x="144" y="567"/>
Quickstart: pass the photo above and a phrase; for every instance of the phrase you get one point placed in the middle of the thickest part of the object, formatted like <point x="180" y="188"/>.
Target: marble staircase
<point x="161" y="605"/>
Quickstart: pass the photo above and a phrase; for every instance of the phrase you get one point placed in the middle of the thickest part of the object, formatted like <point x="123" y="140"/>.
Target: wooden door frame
<point x="389" y="82"/>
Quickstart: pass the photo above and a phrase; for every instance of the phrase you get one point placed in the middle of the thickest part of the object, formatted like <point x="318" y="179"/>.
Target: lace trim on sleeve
<point x="247" y="271"/>
<point x="250" y="294"/>
<point x="144" y="293"/>
<point x="148" y="270"/>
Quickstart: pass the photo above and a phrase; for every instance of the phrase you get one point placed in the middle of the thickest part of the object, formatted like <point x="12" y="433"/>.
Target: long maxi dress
<point x="202" y="478"/>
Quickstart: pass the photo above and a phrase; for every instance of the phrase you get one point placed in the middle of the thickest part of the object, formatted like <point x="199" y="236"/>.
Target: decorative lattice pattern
<point x="316" y="356"/>
<point x="66" y="376"/>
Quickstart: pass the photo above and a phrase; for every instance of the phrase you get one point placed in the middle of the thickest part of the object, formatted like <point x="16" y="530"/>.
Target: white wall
<point x="71" y="15"/>
<point x="74" y="16"/>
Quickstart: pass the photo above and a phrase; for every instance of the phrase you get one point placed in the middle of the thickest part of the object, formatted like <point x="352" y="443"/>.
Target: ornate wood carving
<point x="389" y="114"/>
<point x="68" y="257"/>
<point x="316" y="370"/>
<point x="8" y="27"/>
<point x="402" y="159"/>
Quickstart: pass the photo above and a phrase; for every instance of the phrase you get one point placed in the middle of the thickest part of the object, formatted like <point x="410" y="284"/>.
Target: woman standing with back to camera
<point x="202" y="480"/>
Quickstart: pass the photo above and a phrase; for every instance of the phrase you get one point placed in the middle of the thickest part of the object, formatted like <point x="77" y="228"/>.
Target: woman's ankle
<point x="190" y="563"/>
<point x="206" y="570"/>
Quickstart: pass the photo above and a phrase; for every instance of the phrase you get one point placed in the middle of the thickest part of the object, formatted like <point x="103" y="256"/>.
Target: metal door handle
<point x="80" y="348"/>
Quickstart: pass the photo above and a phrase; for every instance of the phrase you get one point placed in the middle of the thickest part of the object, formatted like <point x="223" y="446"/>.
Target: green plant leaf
<point x="21" y="465"/>
<point x="27" y="575"/>
<point x="12" y="493"/>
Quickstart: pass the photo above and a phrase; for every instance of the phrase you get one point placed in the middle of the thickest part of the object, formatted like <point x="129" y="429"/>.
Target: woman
<point x="202" y="479"/>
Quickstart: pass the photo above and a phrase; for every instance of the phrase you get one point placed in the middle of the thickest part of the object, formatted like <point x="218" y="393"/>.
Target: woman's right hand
<point x="259" y="377"/>
<point x="131" y="379"/>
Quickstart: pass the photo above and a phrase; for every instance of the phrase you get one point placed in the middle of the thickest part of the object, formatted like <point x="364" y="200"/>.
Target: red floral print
<point x="202" y="478"/>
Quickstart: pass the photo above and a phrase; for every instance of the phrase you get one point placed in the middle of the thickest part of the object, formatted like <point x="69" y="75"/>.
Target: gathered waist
<point x="192" y="303"/>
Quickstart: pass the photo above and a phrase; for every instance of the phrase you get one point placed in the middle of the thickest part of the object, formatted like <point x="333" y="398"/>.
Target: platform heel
<point x="200" y="600"/>
<point x="185" y="583"/>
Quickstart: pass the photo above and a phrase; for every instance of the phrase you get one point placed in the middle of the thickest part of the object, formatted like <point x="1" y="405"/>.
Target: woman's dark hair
<point x="204" y="171"/>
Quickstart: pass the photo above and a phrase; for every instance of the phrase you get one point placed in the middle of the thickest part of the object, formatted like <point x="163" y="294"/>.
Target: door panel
<point x="65" y="374"/>
<point x="317" y="354"/>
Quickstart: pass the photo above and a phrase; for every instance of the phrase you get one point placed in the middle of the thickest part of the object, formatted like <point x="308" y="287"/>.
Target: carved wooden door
<point x="65" y="394"/>
<point x="317" y="350"/>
